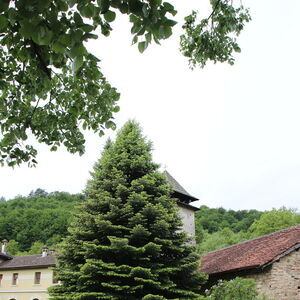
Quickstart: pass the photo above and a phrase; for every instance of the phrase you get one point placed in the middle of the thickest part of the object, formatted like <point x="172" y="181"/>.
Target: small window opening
<point x="1" y="277"/>
<point x="37" y="278"/>
<point x="15" y="278"/>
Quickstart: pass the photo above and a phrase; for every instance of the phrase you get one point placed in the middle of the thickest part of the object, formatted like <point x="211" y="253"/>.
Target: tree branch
<point x="214" y="10"/>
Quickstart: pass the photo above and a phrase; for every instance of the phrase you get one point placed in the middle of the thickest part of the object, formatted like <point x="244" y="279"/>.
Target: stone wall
<point x="188" y="220"/>
<point x="282" y="280"/>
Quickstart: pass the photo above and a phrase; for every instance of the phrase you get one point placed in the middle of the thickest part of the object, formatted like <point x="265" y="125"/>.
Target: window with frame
<point x="15" y="278"/>
<point x="37" y="278"/>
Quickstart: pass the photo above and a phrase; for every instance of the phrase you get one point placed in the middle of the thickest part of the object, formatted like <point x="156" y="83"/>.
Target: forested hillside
<point x="217" y="228"/>
<point x="41" y="218"/>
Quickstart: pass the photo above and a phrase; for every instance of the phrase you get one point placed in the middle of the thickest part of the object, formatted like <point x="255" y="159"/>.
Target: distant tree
<point x="216" y="219"/>
<point x="219" y="239"/>
<point x="13" y="247"/>
<point x="2" y="199"/>
<point x="36" y="248"/>
<point x="274" y="220"/>
<point x="125" y="241"/>
<point x="40" y="217"/>
<point x="51" y="86"/>
<point x="38" y="193"/>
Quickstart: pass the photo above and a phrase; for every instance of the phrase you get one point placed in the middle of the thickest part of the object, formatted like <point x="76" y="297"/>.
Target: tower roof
<point x="179" y="191"/>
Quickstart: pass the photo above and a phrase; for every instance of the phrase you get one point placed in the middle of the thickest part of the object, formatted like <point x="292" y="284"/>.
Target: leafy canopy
<point x="52" y="88"/>
<point x="126" y="242"/>
<point x="274" y="220"/>
<point x="40" y="216"/>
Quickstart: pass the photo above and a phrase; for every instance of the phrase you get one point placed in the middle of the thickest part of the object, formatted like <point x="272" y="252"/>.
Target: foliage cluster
<point x="274" y="220"/>
<point x="52" y="87"/>
<point x="215" y="219"/>
<point x="217" y="228"/>
<point x="237" y="289"/>
<point x="38" y="218"/>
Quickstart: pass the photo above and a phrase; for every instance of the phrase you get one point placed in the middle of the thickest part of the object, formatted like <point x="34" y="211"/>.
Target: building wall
<point x="282" y="280"/>
<point x="25" y="289"/>
<point x="188" y="219"/>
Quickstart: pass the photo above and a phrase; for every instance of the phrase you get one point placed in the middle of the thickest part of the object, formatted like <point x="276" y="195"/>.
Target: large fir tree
<point x="125" y="242"/>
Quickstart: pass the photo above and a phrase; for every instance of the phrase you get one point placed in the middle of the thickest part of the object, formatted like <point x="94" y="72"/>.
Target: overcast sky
<point x="229" y="135"/>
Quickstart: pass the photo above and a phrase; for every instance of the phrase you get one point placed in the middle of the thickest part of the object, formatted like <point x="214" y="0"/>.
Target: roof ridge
<point x="256" y="238"/>
<point x="30" y="255"/>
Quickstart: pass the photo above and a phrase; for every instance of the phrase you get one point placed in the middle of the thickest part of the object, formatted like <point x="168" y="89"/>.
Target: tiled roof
<point x="176" y="187"/>
<point x="28" y="261"/>
<point x="252" y="254"/>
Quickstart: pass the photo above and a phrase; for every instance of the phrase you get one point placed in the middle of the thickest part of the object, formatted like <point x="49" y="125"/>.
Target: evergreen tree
<point x="125" y="242"/>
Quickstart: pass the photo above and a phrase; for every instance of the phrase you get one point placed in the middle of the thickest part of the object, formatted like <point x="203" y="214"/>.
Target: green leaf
<point x="116" y="109"/>
<point x="142" y="46"/>
<point x="12" y="15"/>
<point x="90" y="36"/>
<point x="110" y="124"/>
<point x="124" y="8"/>
<point x="148" y="37"/>
<point x="87" y="28"/>
<point x="169" y="22"/>
<point x="27" y="29"/>
<point x="58" y="47"/>
<point x="63" y="5"/>
<point x="110" y="16"/>
<point x="77" y="63"/>
<point x="78" y="19"/>
<point x="168" y="6"/>
<point x="155" y="3"/>
<point x="104" y="5"/>
<point x="88" y="11"/>
<point x="65" y="39"/>
<point x="134" y="40"/>
<point x="145" y="10"/>
<point x="42" y="35"/>
<point x="135" y="6"/>
<point x="77" y="50"/>
<point x="3" y="23"/>
<point x="133" y="18"/>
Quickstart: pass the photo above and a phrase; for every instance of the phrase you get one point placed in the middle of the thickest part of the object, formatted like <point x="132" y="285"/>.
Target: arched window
<point x="35" y="299"/>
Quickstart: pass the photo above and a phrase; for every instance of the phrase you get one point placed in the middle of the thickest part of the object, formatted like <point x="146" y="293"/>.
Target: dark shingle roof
<point x="28" y="261"/>
<point x="252" y="254"/>
<point x="177" y="188"/>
